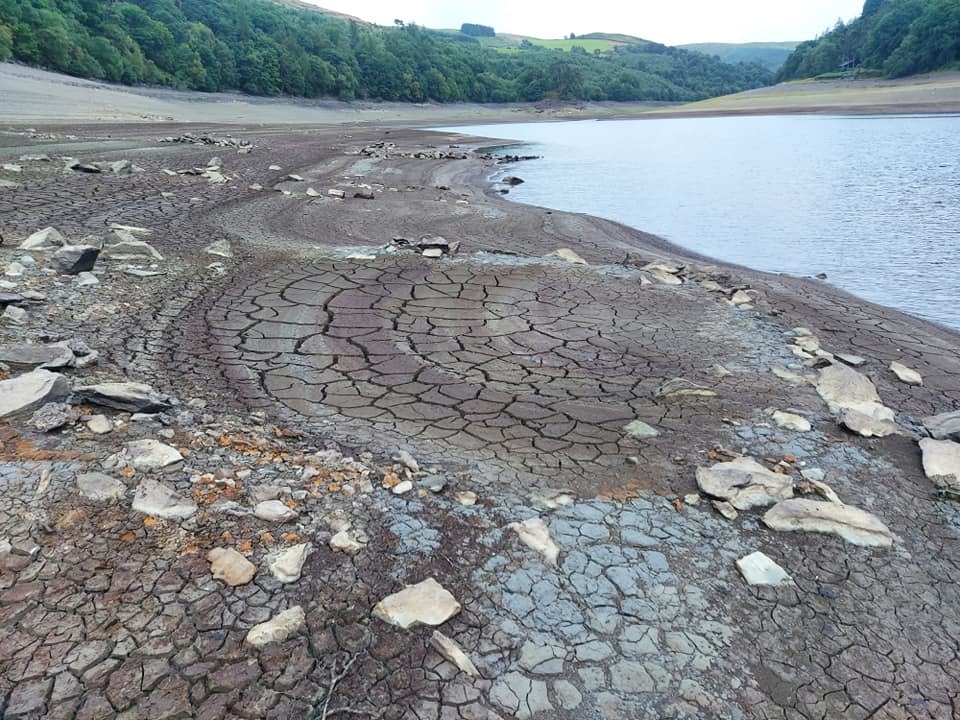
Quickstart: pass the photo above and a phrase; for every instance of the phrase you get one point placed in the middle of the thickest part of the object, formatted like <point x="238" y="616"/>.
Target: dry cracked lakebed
<point x="392" y="455"/>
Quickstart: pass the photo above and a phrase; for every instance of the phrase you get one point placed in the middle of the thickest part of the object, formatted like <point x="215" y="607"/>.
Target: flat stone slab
<point x="905" y="374"/>
<point x="852" y="524"/>
<point x="230" y="566"/>
<point x="941" y="462"/>
<point x="100" y="487"/>
<point x="758" y="569"/>
<point x="128" y="396"/>
<point x="26" y="393"/>
<point x="151" y="454"/>
<point x="278" y="628"/>
<point x="449" y="650"/>
<point x="27" y="355"/>
<point x="156" y="499"/>
<point x="945" y="426"/>
<point x="744" y="483"/>
<point x="426" y="603"/>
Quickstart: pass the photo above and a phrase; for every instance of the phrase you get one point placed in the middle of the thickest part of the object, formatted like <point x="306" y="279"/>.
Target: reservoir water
<point x="873" y="202"/>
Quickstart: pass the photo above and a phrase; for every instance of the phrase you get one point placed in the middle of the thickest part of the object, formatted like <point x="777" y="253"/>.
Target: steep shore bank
<point x="487" y="382"/>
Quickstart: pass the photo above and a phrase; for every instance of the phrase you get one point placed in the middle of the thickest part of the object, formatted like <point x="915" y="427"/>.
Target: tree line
<point x="264" y="48"/>
<point x="892" y="37"/>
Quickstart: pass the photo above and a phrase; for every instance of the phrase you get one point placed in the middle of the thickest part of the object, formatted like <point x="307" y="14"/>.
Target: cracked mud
<point x="308" y="360"/>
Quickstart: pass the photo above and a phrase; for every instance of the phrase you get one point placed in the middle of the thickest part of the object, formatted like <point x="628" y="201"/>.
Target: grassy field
<point x="937" y="92"/>
<point x="602" y="42"/>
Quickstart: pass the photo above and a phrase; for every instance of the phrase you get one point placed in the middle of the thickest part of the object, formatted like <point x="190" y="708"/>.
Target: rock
<point x="691" y="499"/>
<point x="945" y="426"/>
<point x="344" y="541"/>
<point x="452" y="652"/>
<point x="130" y="397"/>
<point x="744" y="483"/>
<point x="852" y="524"/>
<point x="681" y="387"/>
<point x="287" y="566"/>
<point x="335" y="193"/>
<point x="273" y="511"/>
<point x="86" y="279"/>
<point x="852" y="360"/>
<point x="535" y="534"/>
<point x="402" y="488"/>
<point x="74" y="259"/>
<point x="364" y="195"/>
<point x="230" y="566"/>
<point x="432" y="253"/>
<point x="274" y="167"/>
<point x="25" y="393"/>
<point x="741" y="297"/>
<point x="99" y="425"/>
<point x="151" y="455"/>
<point x="941" y="462"/>
<point x="640" y="430"/>
<point x="822" y="489"/>
<point x="14" y="315"/>
<point x="221" y="248"/>
<point x="312" y="193"/>
<point x="156" y="499"/>
<point x="10" y="298"/>
<point x="407" y="460"/>
<point x="278" y="628"/>
<point x="569" y="256"/>
<point x="789" y="421"/>
<point x="466" y="498"/>
<point x="664" y="278"/>
<point x="293" y="178"/>
<point x="14" y="269"/>
<point x="758" y="569"/>
<point x="42" y="239"/>
<point x="137" y="272"/>
<point x="842" y="387"/>
<point x="866" y="425"/>
<point x="512" y="180"/>
<point x="426" y="603"/>
<point x="99" y="487"/>
<point x="52" y="416"/>
<point x="122" y="245"/>
<point x="905" y="374"/>
<point x="54" y="355"/>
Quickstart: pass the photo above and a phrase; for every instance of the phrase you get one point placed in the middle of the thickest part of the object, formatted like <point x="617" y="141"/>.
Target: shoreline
<point x="403" y="370"/>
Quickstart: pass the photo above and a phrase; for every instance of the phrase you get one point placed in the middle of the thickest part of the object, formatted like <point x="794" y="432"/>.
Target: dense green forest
<point x="769" y="54"/>
<point x="891" y="37"/>
<point x="263" y="48"/>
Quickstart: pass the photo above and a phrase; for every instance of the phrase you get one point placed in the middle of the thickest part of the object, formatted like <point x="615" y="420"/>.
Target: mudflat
<point x="360" y="368"/>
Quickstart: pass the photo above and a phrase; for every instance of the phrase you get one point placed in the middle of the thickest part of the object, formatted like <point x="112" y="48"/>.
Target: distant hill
<point x="266" y="47"/>
<point x="895" y="38"/>
<point x="769" y="54"/>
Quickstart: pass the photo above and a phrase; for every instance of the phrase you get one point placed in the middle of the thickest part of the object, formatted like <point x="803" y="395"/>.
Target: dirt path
<point x="322" y="347"/>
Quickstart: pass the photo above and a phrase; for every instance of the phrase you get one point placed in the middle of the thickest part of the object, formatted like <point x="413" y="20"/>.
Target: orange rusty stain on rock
<point x="291" y="538"/>
<point x="333" y="487"/>
<point x="19" y="450"/>
<point x="266" y="538"/>
<point x="128" y="471"/>
<point x="150" y="521"/>
<point x="191" y="548"/>
<point x="128" y="537"/>
<point x="245" y="546"/>
<point x="71" y="519"/>
<point x="678" y="504"/>
<point x="790" y="458"/>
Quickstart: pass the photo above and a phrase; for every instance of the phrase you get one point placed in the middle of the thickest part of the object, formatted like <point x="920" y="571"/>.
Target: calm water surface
<point x="874" y="202"/>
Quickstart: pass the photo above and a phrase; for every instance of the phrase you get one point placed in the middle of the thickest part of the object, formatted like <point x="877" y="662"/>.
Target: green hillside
<point x="892" y="37"/>
<point x="268" y="48"/>
<point x="769" y="54"/>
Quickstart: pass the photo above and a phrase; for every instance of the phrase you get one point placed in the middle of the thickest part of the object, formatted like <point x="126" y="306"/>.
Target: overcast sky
<point x="672" y="22"/>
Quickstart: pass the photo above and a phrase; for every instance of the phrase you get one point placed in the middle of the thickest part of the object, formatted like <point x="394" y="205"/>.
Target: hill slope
<point x="892" y="37"/>
<point x="769" y="54"/>
<point x="265" y="48"/>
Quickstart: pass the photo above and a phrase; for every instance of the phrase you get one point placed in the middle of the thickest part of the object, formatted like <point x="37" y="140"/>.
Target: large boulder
<point x="744" y="483"/>
<point x="75" y="259"/>
<point x="131" y="397"/>
<point x="26" y="393"/>
<point x="852" y="524"/>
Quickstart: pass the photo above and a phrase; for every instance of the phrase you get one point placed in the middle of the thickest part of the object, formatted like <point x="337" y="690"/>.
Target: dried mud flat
<point x="343" y="415"/>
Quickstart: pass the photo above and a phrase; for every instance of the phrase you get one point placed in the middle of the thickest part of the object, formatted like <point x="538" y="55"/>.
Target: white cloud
<point x="679" y="21"/>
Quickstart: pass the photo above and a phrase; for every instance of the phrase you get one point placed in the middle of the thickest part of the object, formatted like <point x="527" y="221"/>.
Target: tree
<point x="6" y="42"/>
<point x="477" y="30"/>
